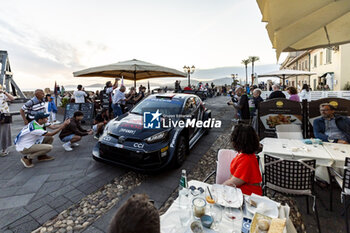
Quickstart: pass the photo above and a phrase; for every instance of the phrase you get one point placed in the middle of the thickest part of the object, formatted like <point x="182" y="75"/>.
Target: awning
<point x="296" y="25"/>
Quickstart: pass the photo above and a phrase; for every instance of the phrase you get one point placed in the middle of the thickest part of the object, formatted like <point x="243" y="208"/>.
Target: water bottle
<point x="183" y="190"/>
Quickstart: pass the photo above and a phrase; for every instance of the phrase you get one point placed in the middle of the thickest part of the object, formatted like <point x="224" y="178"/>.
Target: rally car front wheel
<point x="180" y="153"/>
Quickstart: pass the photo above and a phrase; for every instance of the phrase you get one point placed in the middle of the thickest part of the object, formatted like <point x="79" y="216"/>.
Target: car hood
<point x="131" y="125"/>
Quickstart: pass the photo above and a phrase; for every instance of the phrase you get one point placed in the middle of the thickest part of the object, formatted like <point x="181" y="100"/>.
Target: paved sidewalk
<point x="31" y="196"/>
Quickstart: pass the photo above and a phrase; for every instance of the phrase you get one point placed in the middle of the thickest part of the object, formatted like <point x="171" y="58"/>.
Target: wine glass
<point x="237" y="217"/>
<point x="229" y="199"/>
<point x="216" y="213"/>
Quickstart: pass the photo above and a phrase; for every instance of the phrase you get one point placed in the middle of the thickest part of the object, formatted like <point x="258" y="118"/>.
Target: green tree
<point x="253" y="59"/>
<point x="245" y="62"/>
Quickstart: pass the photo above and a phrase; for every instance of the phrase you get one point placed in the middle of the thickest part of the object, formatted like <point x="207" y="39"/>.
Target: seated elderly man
<point x="276" y="92"/>
<point x="331" y="127"/>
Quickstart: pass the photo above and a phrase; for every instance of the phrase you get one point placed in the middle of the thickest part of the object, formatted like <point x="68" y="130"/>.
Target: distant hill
<point x="220" y="72"/>
<point x="96" y="85"/>
<point x="219" y="76"/>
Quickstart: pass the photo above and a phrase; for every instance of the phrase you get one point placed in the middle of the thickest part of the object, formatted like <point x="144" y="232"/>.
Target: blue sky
<point x="48" y="40"/>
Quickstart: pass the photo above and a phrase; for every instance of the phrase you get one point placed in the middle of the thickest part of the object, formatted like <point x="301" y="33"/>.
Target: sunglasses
<point x="196" y="191"/>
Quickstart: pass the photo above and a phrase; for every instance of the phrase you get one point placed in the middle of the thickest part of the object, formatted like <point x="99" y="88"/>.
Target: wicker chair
<point x="291" y="177"/>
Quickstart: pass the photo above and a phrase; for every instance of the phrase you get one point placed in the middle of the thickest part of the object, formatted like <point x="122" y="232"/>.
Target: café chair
<point x="223" y="163"/>
<point x="344" y="183"/>
<point x="291" y="178"/>
<point x="289" y="131"/>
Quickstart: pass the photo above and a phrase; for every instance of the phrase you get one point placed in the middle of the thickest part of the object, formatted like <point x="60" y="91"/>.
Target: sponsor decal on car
<point x="107" y="138"/>
<point x="131" y="125"/>
<point x="128" y="131"/>
<point x="139" y="145"/>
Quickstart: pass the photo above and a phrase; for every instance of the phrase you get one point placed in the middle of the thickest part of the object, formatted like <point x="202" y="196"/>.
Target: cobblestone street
<point x="31" y="197"/>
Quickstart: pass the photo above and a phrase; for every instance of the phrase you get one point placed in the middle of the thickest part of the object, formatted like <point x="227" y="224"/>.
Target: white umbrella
<point x="283" y="74"/>
<point x="130" y="70"/>
<point x="295" y="25"/>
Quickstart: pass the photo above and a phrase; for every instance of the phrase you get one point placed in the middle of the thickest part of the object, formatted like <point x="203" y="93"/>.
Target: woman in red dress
<point x="245" y="172"/>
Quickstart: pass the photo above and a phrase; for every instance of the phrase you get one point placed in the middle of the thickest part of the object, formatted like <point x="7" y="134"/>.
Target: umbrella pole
<point x="283" y="82"/>
<point x="135" y="79"/>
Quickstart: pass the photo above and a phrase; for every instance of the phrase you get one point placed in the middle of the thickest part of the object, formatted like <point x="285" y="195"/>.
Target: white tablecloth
<point x="338" y="152"/>
<point x="284" y="148"/>
<point x="170" y="221"/>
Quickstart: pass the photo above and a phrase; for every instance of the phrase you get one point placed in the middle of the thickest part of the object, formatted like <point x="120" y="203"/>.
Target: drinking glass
<point x="198" y="206"/>
<point x="211" y="197"/>
<point x="184" y="199"/>
<point x="330" y="139"/>
<point x="185" y="217"/>
<point x="216" y="214"/>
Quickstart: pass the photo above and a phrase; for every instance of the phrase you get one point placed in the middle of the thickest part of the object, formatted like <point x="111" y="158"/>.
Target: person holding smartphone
<point x="5" y="126"/>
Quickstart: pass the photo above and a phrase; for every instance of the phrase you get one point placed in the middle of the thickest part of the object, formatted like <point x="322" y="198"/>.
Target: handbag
<point x="5" y="118"/>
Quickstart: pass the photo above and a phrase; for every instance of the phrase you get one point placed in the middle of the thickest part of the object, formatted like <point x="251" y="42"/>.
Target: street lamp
<point x="189" y="70"/>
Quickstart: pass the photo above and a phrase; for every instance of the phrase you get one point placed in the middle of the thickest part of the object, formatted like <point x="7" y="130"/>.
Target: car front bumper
<point x="136" y="159"/>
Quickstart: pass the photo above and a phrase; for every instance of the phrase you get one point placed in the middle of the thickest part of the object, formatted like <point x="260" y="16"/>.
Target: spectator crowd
<point x="35" y="139"/>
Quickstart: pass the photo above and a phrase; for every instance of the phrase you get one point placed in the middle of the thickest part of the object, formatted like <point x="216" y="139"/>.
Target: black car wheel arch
<point x="180" y="152"/>
<point x="207" y="116"/>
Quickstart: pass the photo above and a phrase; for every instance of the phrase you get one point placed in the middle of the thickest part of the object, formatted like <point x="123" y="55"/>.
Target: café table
<point x="170" y="221"/>
<point x="297" y="149"/>
<point x="338" y="152"/>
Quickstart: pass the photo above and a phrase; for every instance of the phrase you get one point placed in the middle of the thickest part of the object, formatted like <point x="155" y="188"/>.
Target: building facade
<point x="331" y="66"/>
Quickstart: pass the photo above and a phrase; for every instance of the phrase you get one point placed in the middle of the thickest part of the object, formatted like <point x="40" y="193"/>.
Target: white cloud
<point x="48" y="40"/>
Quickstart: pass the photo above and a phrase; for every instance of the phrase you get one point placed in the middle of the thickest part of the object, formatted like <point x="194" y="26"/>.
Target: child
<point x="51" y="109"/>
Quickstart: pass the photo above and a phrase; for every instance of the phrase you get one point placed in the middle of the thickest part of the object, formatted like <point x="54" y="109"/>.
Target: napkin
<point x="256" y="198"/>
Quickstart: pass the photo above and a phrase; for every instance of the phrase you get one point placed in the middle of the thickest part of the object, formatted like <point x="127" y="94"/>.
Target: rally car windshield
<point x="164" y="105"/>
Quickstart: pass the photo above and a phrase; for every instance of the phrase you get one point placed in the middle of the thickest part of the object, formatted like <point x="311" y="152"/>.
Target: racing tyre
<point x="180" y="153"/>
<point x="207" y="130"/>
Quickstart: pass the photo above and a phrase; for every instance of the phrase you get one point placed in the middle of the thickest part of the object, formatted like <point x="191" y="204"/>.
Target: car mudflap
<point x="175" y="135"/>
<point x="207" y="113"/>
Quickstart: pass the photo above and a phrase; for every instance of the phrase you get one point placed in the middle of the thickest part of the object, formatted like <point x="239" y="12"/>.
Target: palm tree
<point x="245" y="62"/>
<point x="252" y="60"/>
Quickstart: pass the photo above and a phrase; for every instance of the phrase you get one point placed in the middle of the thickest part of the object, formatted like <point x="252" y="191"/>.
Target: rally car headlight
<point x="157" y="137"/>
<point x="106" y="130"/>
